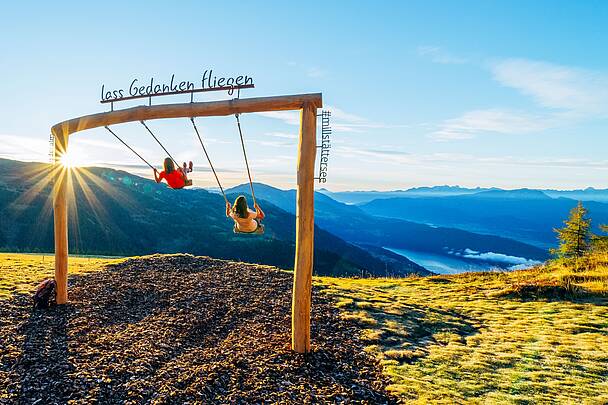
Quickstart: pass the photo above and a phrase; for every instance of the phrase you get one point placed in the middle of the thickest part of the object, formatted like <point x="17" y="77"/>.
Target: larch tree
<point x="575" y="236"/>
<point x="600" y="242"/>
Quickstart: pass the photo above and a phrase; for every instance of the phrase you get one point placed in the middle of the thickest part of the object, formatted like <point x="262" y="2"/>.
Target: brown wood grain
<point x="60" y="210"/>
<point x="302" y="278"/>
<point x="186" y="110"/>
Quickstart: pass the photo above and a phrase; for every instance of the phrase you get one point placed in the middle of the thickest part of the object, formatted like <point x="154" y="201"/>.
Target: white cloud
<point x="389" y="155"/>
<point x="288" y="117"/>
<point x="341" y="121"/>
<point x="218" y="141"/>
<point x="339" y="114"/>
<point x="549" y="163"/>
<point x="271" y="163"/>
<point x="21" y="147"/>
<point x="515" y="261"/>
<point x="316" y="72"/>
<point x="375" y="155"/>
<point x="283" y="135"/>
<point x="564" y="94"/>
<point x="438" y="55"/>
<point x="274" y="144"/>
<point x="498" y="121"/>
<point x="556" y="86"/>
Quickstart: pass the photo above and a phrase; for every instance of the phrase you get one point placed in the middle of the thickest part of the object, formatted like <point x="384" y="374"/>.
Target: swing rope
<point x="130" y="148"/>
<point x="161" y="145"/>
<point x="238" y="123"/>
<point x="208" y="159"/>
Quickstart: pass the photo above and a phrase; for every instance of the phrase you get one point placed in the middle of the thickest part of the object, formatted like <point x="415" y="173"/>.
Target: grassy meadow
<point x="532" y="336"/>
<point x="21" y="273"/>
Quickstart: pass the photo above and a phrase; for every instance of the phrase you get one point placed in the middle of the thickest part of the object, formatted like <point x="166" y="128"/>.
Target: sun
<point x="70" y="160"/>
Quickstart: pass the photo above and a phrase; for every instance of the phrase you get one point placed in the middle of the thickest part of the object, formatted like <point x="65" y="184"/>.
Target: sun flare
<point x="70" y="160"/>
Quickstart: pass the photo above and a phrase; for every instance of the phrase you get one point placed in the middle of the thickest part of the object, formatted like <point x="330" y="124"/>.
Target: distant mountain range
<point x="121" y="214"/>
<point x="526" y="215"/>
<point x="356" y="225"/>
<point x="116" y="213"/>
<point x="360" y="197"/>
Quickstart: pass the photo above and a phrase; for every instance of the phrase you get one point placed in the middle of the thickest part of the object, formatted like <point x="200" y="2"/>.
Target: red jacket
<point x="175" y="179"/>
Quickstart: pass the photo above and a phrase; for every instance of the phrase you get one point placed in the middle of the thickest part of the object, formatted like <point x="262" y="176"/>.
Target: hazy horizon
<point x="143" y="171"/>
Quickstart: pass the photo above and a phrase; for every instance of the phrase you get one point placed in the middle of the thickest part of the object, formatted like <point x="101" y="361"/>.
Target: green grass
<point x="533" y="336"/>
<point x="21" y="273"/>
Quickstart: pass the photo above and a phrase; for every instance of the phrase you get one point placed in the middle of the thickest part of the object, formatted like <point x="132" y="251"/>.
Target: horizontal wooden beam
<point x="186" y="110"/>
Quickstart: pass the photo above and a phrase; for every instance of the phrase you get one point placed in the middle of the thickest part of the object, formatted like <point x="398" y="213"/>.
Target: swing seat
<point x="258" y="231"/>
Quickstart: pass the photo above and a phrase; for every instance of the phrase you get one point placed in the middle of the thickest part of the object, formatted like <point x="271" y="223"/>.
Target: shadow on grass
<point x="439" y="280"/>
<point x="406" y="332"/>
<point x="551" y="291"/>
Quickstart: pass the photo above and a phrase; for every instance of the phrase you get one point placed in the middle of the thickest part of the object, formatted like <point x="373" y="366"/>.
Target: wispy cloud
<point x="499" y="121"/>
<point x="26" y="148"/>
<point x="564" y="95"/>
<point x="95" y="143"/>
<point x="341" y="121"/>
<point x="272" y="162"/>
<point x="546" y="162"/>
<point x="438" y="55"/>
<point x="316" y="72"/>
<point x="288" y="117"/>
<point x="556" y="86"/>
<point x="273" y="143"/>
<point x="387" y="156"/>
<point x="374" y="155"/>
<point x="283" y="135"/>
<point x="500" y="257"/>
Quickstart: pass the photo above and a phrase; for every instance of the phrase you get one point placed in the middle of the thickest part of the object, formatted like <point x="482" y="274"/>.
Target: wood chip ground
<point x="180" y="329"/>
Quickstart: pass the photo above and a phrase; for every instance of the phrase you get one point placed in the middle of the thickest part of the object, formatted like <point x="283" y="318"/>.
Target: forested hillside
<point x="116" y="213"/>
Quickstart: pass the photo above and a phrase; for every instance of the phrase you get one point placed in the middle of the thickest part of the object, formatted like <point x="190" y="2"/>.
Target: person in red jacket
<point x="175" y="178"/>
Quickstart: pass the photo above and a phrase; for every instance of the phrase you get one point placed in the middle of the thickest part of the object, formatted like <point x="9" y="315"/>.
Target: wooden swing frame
<point x="307" y="147"/>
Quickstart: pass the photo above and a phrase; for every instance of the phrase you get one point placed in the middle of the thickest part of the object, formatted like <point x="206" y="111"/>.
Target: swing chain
<point x="200" y="139"/>
<point x="238" y="123"/>
<point x="161" y="145"/>
<point x="130" y="148"/>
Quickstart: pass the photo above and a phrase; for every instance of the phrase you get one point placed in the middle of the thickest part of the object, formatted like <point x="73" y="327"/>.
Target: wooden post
<point x="60" y="209"/>
<point x="302" y="278"/>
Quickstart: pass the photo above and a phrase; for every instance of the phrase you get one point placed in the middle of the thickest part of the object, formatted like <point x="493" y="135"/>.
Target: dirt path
<point x="175" y="329"/>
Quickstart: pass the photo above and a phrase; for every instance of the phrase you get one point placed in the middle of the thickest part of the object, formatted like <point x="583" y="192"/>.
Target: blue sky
<point x="476" y="93"/>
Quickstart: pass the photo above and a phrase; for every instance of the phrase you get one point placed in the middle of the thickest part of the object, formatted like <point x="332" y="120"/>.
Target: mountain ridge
<point x="361" y="196"/>
<point x="354" y="224"/>
<point x="527" y="216"/>
<point x="117" y="213"/>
